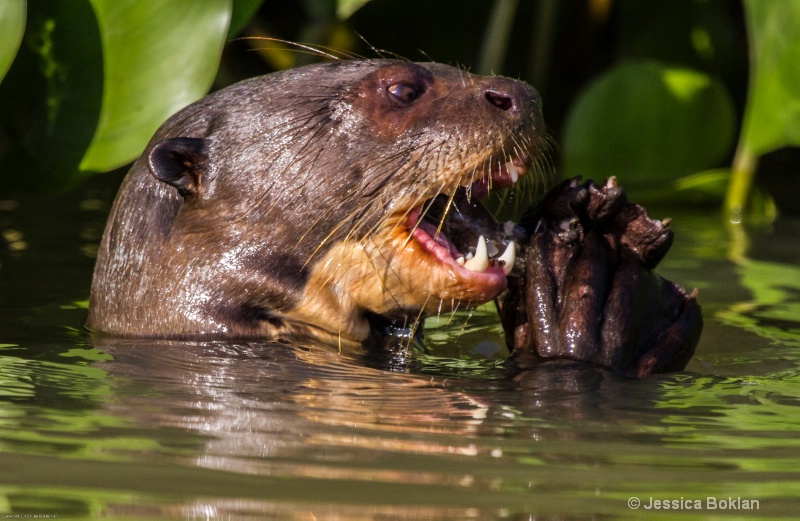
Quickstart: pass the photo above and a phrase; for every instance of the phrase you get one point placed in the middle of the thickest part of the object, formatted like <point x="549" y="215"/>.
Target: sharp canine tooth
<point x="509" y="256"/>
<point x="480" y="261"/>
<point x="513" y="171"/>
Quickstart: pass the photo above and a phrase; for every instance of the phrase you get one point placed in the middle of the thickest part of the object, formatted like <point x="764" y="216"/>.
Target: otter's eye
<point x="404" y="92"/>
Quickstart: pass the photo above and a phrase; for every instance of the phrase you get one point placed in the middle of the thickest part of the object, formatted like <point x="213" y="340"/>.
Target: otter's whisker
<point x="312" y="49"/>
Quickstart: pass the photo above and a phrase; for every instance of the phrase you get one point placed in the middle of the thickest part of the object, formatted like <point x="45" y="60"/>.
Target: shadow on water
<point x="130" y="429"/>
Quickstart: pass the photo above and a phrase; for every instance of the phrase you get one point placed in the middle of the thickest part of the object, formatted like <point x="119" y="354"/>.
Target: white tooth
<point x="469" y="255"/>
<point x="513" y="171"/>
<point x="460" y="261"/>
<point x="480" y="261"/>
<point x="508" y="257"/>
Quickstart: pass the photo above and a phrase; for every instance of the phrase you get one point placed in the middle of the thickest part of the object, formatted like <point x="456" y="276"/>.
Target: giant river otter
<point x="326" y="201"/>
<point x="295" y="204"/>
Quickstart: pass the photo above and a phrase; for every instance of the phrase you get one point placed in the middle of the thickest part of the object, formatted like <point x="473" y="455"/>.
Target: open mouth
<point x="461" y="234"/>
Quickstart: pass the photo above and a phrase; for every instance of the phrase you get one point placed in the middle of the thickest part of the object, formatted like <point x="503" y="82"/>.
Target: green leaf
<point x="772" y="116"/>
<point x="50" y="97"/>
<point x="158" y="57"/>
<point x="93" y="80"/>
<point x="243" y="11"/>
<point x="650" y="124"/>
<point x="12" y="27"/>
<point x="698" y="189"/>
<point x="345" y="8"/>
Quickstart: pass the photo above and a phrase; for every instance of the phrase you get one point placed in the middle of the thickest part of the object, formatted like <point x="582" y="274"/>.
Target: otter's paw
<point x="587" y="291"/>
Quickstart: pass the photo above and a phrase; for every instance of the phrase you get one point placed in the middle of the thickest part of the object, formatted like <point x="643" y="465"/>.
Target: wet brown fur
<point x="291" y="220"/>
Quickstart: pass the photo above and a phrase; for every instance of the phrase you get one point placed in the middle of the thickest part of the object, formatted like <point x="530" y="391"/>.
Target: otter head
<point x="312" y="200"/>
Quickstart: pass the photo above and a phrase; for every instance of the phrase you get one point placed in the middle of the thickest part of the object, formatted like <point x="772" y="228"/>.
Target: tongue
<point x="440" y="238"/>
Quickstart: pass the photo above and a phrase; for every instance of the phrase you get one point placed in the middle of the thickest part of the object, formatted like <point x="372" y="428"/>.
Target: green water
<point x="141" y="429"/>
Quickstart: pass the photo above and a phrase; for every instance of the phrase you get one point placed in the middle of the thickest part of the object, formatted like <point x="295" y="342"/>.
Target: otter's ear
<point x="180" y="162"/>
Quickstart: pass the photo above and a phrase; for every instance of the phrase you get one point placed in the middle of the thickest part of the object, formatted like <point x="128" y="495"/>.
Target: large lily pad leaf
<point x="649" y="123"/>
<point x="93" y="79"/>
<point x="12" y="27"/>
<point x="158" y="57"/>
<point x="772" y="118"/>
<point x="772" y="114"/>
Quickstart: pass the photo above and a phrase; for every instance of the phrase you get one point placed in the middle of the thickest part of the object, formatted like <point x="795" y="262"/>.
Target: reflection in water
<point x="211" y="430"/>
<point x="273" y="400"/>
<point x="180" y="429"/>
<point x="345" y="435"/>
<point x="275" y="410"/>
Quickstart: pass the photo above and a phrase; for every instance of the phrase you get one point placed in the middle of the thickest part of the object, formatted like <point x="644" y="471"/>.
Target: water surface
<point x="132" y="429"/>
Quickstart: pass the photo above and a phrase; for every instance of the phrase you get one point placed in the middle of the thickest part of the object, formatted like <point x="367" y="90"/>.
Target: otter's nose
<point x="499" y="100"/>
<point x="511" y="95"/>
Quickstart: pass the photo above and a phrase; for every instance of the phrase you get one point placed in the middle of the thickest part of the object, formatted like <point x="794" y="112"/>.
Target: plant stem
<point x="495" y="40"/>
<point x="542" y="43"/>
<point x="743" y="171"/>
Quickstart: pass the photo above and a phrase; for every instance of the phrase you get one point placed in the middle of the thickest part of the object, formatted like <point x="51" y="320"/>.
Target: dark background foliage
<point x="663" y="93"/>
